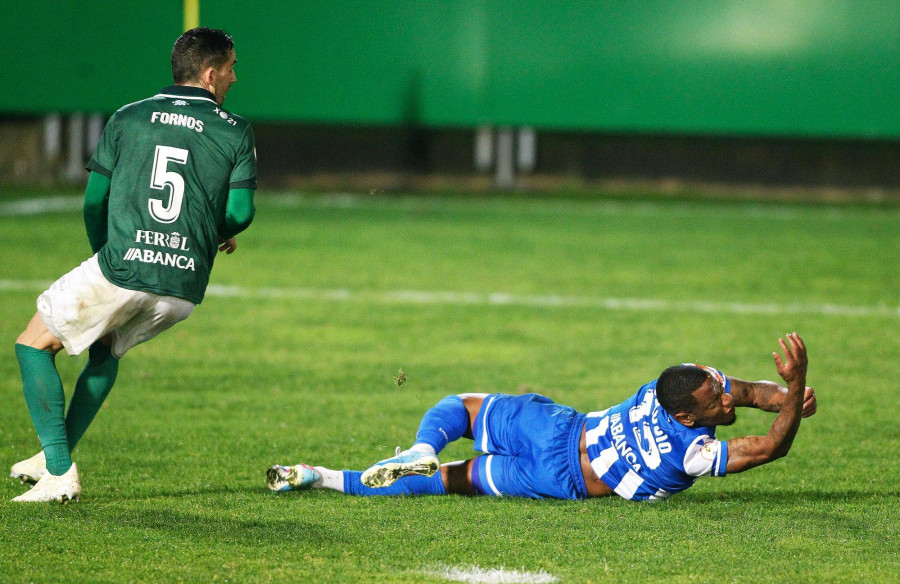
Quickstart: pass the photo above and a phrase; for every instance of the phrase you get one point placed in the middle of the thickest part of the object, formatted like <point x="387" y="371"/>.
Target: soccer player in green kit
<point x="171" y="183"/>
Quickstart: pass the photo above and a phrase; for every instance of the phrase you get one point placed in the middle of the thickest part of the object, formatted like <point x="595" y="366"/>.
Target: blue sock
<point x="408" y="485"/>
<point x="447" y="421"/>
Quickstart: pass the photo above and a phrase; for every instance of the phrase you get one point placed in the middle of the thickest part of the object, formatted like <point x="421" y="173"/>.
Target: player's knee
<point x="37" y="336"/>
<point x="473" y="402"/>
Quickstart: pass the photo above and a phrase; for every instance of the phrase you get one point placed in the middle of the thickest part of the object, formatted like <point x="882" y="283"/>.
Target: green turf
<point x="295" y="363"/>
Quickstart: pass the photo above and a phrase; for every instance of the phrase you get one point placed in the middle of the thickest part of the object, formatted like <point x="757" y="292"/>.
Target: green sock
<point x="46" y="403"/>
<point x="91" y="389"/>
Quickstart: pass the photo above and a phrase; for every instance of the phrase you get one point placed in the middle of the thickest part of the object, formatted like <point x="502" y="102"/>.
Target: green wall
<point x="774" y="68"/>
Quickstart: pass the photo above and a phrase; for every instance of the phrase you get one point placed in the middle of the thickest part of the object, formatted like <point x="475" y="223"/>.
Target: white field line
<point x="476" y="575"/>
<point x="551" y="301"/>
<point x="39" y="206"/>
<point x="505" y="299"/>
<point x="546" y="207"/>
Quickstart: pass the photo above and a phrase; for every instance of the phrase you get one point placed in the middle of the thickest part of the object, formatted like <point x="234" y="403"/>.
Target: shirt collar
<point x="187" y="91"/>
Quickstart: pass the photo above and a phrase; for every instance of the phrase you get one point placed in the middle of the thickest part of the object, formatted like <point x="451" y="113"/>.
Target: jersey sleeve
<point x="104" y="158"/>
<point x="243" y="175"/>
<point x="706" y="457"/>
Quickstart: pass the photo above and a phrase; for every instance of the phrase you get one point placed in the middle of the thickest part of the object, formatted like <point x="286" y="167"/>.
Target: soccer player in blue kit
<point x="653" y="445"/>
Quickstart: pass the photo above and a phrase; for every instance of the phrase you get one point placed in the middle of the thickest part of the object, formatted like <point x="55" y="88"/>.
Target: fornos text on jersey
<point x="177" y="120"/>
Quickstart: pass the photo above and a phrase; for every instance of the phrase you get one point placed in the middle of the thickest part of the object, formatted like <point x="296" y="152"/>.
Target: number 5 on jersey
<point x="163" y="177"/>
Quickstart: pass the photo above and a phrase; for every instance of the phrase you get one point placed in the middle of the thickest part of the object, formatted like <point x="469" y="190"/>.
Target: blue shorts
<point x="531" y="448"/>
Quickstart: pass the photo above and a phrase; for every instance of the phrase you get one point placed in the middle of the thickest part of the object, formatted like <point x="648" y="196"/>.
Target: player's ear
<point x="685" y="419"/>
<point x="208" y="77"/>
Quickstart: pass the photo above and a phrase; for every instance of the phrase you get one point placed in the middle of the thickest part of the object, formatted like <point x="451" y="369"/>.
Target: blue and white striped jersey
<point x="641" y="452"/>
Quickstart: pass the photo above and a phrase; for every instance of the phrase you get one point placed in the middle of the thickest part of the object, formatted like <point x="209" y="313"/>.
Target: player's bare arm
<point x="751" y="451"/>
<point x="768" y="396"/>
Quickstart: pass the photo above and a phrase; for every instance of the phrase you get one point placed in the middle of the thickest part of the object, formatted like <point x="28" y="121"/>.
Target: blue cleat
<point x="286" y="478"/>
<point x="408" y="462"/>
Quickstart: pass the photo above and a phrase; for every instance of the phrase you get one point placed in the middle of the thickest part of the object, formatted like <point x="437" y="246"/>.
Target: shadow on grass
<point x="251" y="529"/>
<point x="109" y="494"/>
<point x="245" y="532"/>
<point x="786" y="497"/>
<point x="770" y="497"/>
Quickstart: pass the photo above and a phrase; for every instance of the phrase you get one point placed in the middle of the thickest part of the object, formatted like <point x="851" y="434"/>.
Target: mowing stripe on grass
<point x="504" y="299"/>
<point x="476" y="575"/>
<point x="550" y="301"/>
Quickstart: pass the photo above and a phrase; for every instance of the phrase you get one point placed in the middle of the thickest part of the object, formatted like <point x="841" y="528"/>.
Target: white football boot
<point x="51" y="488"/>
<point x="31" y="469"/>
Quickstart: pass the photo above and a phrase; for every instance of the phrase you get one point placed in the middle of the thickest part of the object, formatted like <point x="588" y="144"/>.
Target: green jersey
<point x="171" y="160"/>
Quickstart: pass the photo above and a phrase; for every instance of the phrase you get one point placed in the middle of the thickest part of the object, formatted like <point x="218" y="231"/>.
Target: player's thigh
<point x="533" y="477"/>
<point x="506" y="476"/>
<point x="158" y="314"/>
<point x="511" y="424"/>
<point x="83" y="306"/>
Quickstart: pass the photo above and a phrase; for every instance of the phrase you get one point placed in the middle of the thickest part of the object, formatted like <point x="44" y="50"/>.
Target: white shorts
<point x="83" y="306"/>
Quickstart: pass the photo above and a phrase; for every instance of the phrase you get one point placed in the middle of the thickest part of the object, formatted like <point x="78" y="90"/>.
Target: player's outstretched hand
<point x="793" y="367"/>
<point x="228" y="245"/>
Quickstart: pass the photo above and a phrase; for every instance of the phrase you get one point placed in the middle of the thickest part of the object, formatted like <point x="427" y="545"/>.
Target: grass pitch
<point x="292" y="358"/>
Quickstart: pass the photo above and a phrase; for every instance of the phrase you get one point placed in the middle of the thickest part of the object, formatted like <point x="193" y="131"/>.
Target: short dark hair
<point x="675" y="387"/>
<point x="198" y="49"/>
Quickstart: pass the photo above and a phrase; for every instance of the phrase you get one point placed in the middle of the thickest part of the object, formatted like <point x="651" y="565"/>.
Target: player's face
<point x="224" y="77"/>
<point x="714" y="406"/>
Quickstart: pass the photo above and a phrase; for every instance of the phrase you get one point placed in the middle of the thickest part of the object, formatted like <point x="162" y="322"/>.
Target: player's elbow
<point x="752" y="451"/>
<point x="247" y="218"/>
<point x="242" y="219"/>
<point x="781" y="452"/>
<point x="768" y="450"/>
<point x="773" y="451"/>
<point x="237" y="221"/>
